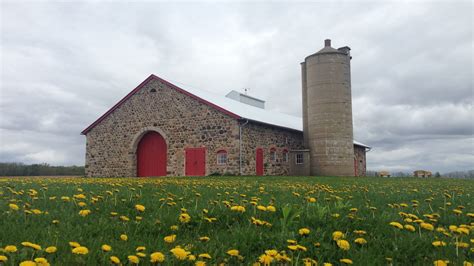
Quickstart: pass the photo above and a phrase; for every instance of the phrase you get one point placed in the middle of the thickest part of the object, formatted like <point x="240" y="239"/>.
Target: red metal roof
<point x="153" y="77"/>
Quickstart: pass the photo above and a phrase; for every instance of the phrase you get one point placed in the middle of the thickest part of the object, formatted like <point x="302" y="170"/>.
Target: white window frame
<point x="273" y="155"/>
<point x="286" y="156"/>
<point x="221" y="158"/>
<point x="301" y="159"/>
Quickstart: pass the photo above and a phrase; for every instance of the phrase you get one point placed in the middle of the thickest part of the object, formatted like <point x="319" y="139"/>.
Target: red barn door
<point x="195" y="162"/>
<point x="151" y="155"/>
<point x="259" y="161"/>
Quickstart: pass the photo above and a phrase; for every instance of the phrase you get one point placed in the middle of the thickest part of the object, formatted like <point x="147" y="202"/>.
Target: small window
<point x="152" y="90"/>
<point x="221" y="157"/>
<point x="285" y="156"/>
<point x="273" y="155"/>
<point x="299" y="158"/>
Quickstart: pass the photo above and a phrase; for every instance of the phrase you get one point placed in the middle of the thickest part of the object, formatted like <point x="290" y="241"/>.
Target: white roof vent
<point x="244" y="98"/>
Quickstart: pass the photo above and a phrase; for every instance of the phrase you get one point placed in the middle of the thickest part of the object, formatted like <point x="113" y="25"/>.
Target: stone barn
<point x="159" y="129"/>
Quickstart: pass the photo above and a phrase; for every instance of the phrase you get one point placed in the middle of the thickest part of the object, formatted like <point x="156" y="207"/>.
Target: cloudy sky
<point x="63" y="64"/>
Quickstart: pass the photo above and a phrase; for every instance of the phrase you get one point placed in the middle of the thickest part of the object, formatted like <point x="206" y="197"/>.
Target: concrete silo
<point x="327" y="111"/>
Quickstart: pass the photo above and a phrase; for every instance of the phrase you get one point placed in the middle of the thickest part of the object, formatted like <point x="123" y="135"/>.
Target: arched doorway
<point x="151" y="155"/>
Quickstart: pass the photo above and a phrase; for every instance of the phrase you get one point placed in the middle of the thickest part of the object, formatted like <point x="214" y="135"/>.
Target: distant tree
<point x="437" y="174"/>
<point x="44" y="169"/>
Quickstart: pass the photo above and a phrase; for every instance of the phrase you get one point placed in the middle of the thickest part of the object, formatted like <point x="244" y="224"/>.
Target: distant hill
<point x="44" y="169"/>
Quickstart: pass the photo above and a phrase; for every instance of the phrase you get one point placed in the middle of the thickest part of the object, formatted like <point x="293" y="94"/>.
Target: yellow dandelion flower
<point x="140" y="208"/>
<point x="74" y="244"/>
<point x="51" y="249"/>
<point x="205" y="256"/>
<point x="140" y="254"/>
<point x="157" y="257"/>
<point x="170" y="238"/>
<point x="410" y="227"/>
<point x="10" y="248"/>
<point x="114" y="260"/>
<point x="343" y="244"/>
<point x="3" y="258"/>
<point x="106" y="248"/>
<point x="13" y="206"/>
<point x="124" y="237"/>
<point x="345" y="261"/>
<point x="439" y="243"/>
<point x="80" y="250"/>
<point x="396" y="225"/>
<point x="271" y="208"/>
<point x="304" y="231"/>
<point x="337" y="235"/>
<point x="41" y="262"/>
<point x="184" y="218"/>
<point x="360" y="241"/>
<point x="204" y="238"/>
<point x="427" y="226"/>
<point x="179" y="253"/>
<point x="133" y="259"/>
<point x="84" y="213"/>
<point x="233" y="252"/>
<point x="440" y="262"/>
<point x="27" y="263"/>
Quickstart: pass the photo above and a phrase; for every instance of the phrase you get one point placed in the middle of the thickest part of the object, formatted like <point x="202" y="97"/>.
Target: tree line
<point x="44" y="169"/>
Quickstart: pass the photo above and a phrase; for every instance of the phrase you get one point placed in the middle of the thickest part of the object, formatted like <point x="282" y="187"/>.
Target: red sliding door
<point x="259" y="161"/>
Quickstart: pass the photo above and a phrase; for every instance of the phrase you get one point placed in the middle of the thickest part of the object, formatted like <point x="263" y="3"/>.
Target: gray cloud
<point x="64" y="64"/>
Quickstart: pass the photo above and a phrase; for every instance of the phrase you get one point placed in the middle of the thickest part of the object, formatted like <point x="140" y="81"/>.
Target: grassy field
<point x="237" y="221"/>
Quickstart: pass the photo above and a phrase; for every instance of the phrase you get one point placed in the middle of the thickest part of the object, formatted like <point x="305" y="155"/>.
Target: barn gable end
<point x="184" y="120"/>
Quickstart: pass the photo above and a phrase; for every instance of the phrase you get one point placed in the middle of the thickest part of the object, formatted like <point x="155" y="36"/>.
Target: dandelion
<point x="265" y="259"/>
<point x="233" y="252"/>
<point x="13" y="206"/>
<point x="337" y="235"/>
<point x="440" y="262"/>
<point x="84" y="213"/>
<point x="10" y="249"/>
<point x="133" y="259"/>
<point x="311" y="200"/>
<point x="179" y="253"/>
<point x="170" y="238"/>
<point x="304" y="231"/>
<point x="140" y="254"/>
<point x="157" y="257"/>
<point x="123" y="237"/>
<point x="106" y="248"/>
<point x="140" y="208"/>
<point x="41" y="262"/>
<point x="439" y="243"/>
<point x="410" y="227"/>
<point x="200" y="263"/>
<point x="27" y="263"/>
<point x="74" y="244"/>
<point x="238" y="209"/>
<point x="184" y="218"/>
<point x="51" y="249"/>
<point x="80" y="250"/>
<point x="345" y="261"/>
<point x="396" y="225"/>
<point x="204" y="238"/>
<point x="3" y="258"/>
<point x="271" y="208"/>
<point x="114" y="260"/>
<point x="427" y="226"/>
<point x="31" y="245"/>
<point x="360" y="241"/>
<point x="343" y="244"/>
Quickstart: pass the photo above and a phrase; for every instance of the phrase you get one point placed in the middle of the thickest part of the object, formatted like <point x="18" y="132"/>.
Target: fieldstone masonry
<point x="184" y="122"/>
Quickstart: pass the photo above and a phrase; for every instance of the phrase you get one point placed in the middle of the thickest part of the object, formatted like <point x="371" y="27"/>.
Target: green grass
<point x="165" y="197"/>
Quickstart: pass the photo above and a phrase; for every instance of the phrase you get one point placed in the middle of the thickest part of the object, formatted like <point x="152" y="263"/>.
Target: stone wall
<point x="359" y="153"/>
<point x="257" y="135"/>
<point x="180" y="119"/>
